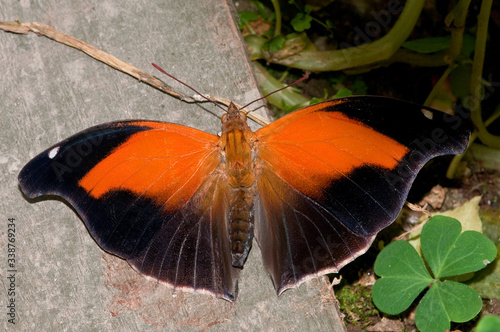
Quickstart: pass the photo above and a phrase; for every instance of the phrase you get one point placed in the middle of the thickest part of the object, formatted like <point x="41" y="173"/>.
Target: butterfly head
<point x="233" y="113"/>
<point x="234" y="120"/>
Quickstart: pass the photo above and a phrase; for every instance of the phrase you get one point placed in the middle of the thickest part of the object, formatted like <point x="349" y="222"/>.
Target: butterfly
<point x="183" y="206"/>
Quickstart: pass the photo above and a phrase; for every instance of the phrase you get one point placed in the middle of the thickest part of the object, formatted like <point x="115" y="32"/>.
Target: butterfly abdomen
<point x="241" y="225"/>
<point x="237" y="145"/>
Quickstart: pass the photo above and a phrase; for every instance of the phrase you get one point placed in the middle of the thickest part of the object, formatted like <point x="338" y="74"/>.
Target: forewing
<point x="148" y="192"/>
<point x="332" y="175"/>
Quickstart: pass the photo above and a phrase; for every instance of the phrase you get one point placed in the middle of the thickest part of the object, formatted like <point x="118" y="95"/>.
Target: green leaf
<point x="488" y="323"/>
<point x="468" y="215"/>
<point x="315" y="100"/>
<point x="446" y="302"/>
<point x="487" y="281"/>
<point x="274" y="44"/>
<point x="403" y="277"/>
<point x="428" y="45"/>
<point x="301" y="22"/>
<point x="343" y="92"/>
<point x="246" y="17"/>
<point x="450" y="252"/>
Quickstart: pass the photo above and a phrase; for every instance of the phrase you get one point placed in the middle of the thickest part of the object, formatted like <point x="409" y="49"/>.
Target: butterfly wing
<point x="148" y="192"/>
<point x="332" y="175"/>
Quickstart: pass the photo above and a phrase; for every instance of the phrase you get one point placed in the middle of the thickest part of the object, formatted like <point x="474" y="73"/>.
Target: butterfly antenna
<point x="306" y="76"/>
<point x="190" y="87"/>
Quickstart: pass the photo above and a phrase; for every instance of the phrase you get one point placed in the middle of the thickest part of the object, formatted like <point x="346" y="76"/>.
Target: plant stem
<point x="455" y="20"/>
<point x="277" y="12"/>
<point x="379" y="50"/>
<point x="283" y="99"/>
<point x="476" y="87"/>
<point x="450" y="173"/>
<point x="438" y="84"/>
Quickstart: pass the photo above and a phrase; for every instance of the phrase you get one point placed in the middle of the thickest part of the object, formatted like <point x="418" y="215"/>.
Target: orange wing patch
<point x="311" y="149"/>
<point x="166" y="164"/>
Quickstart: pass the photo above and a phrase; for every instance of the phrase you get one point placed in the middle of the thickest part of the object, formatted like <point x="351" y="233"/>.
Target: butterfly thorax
<point x="237" y="145"/>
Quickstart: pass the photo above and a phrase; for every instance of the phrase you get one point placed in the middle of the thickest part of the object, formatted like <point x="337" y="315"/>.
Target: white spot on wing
<point x="53" y="152"/>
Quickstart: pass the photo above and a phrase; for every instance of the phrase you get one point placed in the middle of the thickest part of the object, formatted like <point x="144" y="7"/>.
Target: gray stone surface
<point x="49" y="91"/>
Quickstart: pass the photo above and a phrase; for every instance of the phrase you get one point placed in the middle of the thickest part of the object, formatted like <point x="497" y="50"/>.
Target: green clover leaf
<point x="444" y="302"/>
<point x="488" y="323"/>
<point x="404" y="276"/>
<point x="448" y="252"/>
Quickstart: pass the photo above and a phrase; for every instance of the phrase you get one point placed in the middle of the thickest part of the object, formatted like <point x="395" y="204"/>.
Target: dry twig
<point x="50" y="32"/>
